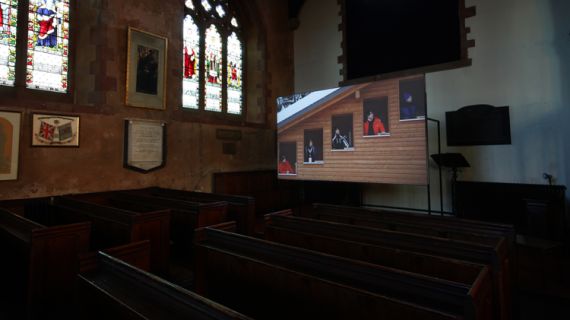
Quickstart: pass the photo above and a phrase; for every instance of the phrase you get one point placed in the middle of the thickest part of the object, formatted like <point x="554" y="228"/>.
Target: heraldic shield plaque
<point x="50" y="130"/>
<point x="145" y="145"/>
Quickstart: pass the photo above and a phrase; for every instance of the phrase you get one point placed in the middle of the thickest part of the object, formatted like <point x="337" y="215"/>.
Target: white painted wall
<point x="521" y="59"/>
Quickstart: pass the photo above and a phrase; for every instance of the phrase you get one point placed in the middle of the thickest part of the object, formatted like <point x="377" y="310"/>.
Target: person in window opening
<point x="339" y="141"/>
<point x="373" y="125"/>
<point x="285" y="166"/>
<point x="408" y="109"/>
<point x="47" y="21"/>
<point x="311" y="151"/>
<point x="2" y="16"/>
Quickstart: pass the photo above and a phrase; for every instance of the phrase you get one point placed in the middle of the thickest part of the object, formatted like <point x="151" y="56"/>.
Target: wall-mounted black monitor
<point x="478" y="125"/>
<point x="394" y="36"/>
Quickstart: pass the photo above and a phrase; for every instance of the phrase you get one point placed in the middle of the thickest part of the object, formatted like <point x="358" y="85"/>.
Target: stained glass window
<point x="213" y="63"/>
<point x="191" y="82"/>
<point x="8" y="25"/>
<point x="213" y="58"/>
<point x="48" y="45"/>
<point x="234" y="74"/>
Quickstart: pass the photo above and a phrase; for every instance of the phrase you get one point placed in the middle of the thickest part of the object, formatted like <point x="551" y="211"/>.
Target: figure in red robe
<point x="189" y="63"/>
<point x="47" y="21"/>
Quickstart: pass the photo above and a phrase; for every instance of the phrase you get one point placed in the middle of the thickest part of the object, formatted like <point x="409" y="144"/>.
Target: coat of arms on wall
<point x="55" y="130"/>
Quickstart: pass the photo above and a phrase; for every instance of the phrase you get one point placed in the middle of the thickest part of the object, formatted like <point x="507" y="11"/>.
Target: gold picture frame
<point x="51" y="130"/>
<point x="146" y="70"/>
<point x="10" y="126"/>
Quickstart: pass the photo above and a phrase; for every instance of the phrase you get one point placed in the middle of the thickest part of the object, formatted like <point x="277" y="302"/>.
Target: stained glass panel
<point x="220" y="10"/>
<point x="191" y="76"/>
<point x="234" y="74"/>
<point x="213" y="61"/>
<point x="8" y="25"/>
<point x="206" y="5"/>
<point x="48" y="45"/>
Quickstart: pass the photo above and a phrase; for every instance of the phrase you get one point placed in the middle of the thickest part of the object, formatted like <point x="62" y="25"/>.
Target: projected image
<point x="313" y="146"/>
<point x="353" y="134"/>
<point x="287" y="158"/>
<point x="376" y="120"/>
<point x="412" y="99"/>
<point x="342" y="132"/>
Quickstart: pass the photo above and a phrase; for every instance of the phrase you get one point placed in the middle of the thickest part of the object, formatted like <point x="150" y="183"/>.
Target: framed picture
<point x="10" y="123"/>
<point x="146" y="70"/>
<point x="50" y="130"/>
<point x="145" y="145"/>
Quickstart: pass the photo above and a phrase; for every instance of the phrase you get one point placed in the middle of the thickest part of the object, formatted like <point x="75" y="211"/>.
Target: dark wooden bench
<point x="114" y="226"/>
<point x="256" y="275"/>
<point x="240" y="208"/>
<point x="494" y="256"/>
<point x="283" y="229"/>
<point x="437" y="226"/>
<point x="117" y="290"/>
<point x="136" y="254"/>
<point x="186" y="216"/>
<point x="39" y="264"/>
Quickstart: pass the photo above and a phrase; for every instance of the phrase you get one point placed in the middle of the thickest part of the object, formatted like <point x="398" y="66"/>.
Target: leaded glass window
<point x="234" y="74"/>
<point x="8" y="27"/>
<point x="43" y="44"/>
<point x="191" y="82"/>
<point x="213" y="63"/>
<point x="48" y="45"/>
<point x="213" y="58"/>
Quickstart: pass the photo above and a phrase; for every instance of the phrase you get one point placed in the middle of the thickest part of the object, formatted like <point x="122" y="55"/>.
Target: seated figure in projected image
<point x="339" y="141"/>
<point x="284" y="166"/>
<point x="373" y="125"/>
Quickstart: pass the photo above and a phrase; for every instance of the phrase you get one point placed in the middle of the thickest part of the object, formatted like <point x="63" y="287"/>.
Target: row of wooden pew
<point x="345" y="263"/>
<point x="49" y="241"/>
<point x="323" y="262"/>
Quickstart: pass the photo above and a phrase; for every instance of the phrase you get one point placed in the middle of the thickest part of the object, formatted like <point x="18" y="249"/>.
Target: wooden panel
<point x="399" y="158"/>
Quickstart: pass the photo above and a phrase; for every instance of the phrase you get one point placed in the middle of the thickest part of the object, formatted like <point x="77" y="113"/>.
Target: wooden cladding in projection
<point x="398" y="156"/>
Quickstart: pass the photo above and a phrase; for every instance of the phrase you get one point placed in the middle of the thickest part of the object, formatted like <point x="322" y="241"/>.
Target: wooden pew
<point x="255" y="276"/>
<point x="240" y="208"/>
<point x="113" y="226"/>
<point x="186" y="216"/>
<point x="39" y="264"/>
<point x="283" y="229"/>
<point x="136" y="254"/>
<point x="117" y="290"/>
<point x="494" y="256"/>
<point x="437" y="226"/>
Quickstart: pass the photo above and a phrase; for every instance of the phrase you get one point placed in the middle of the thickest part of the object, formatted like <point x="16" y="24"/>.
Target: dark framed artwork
<point x="10" y="125"/>
<point x="146" y="70"/>
<point x="145" y="145"/>
<point x="375" y="117"/>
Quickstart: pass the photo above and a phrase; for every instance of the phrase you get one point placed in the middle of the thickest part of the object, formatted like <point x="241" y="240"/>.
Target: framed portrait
<point x="376" y="120"/>
<point x="10" y="123"/>
<point x="145" y="145"/>
<point x="146" y="70"/>
<point x="49" y="130"/>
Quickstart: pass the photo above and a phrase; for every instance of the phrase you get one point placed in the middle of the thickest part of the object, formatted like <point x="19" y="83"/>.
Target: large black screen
<point x="384" y="36"/>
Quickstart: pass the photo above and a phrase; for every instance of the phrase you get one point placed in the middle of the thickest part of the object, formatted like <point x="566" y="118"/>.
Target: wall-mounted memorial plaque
<point x="145" y="145"/>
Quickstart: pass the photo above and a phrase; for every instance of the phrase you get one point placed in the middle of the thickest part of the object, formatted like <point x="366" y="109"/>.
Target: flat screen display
<point x="373" y="132"/>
